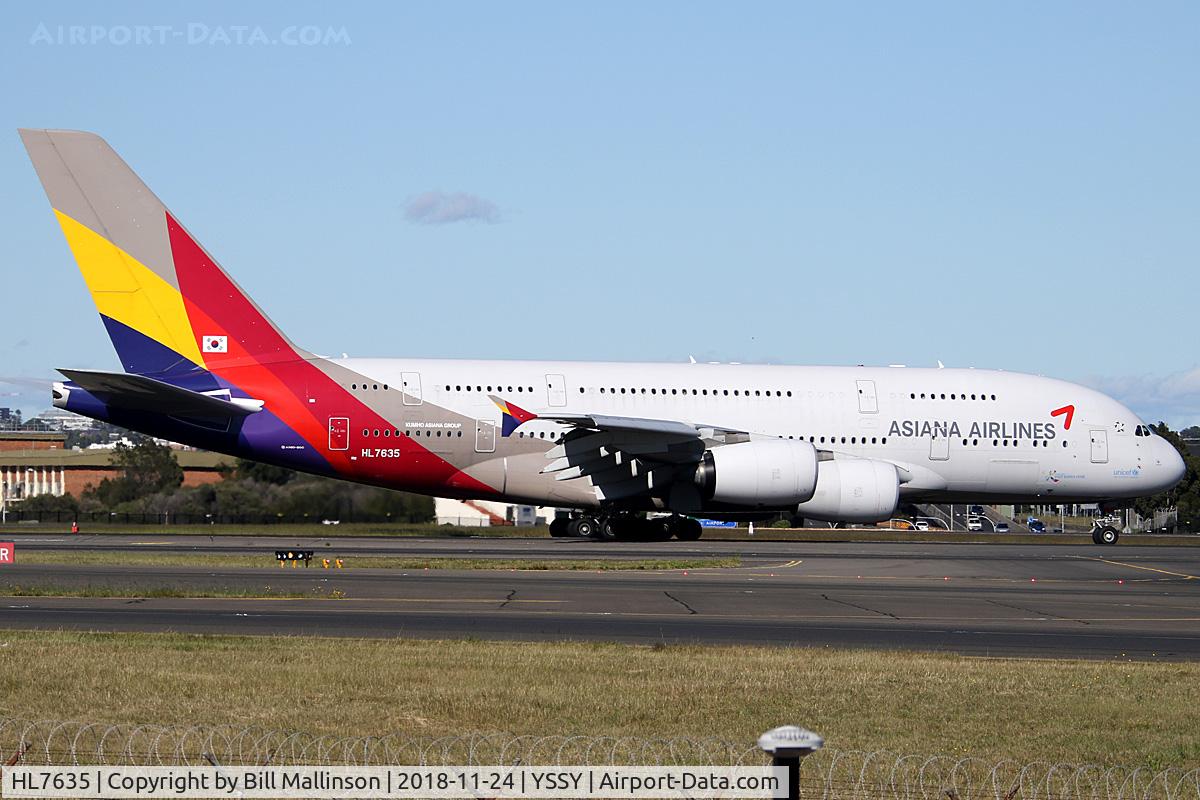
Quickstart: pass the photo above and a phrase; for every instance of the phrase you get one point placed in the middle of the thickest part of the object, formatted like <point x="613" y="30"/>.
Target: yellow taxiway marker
<point x="1148" y="569"/>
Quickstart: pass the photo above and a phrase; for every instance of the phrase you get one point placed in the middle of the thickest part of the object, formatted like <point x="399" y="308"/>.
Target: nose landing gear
<point x="1105" y="534"/>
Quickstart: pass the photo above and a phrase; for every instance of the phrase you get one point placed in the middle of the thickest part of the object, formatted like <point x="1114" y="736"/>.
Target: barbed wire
<point x="827" y="774"/>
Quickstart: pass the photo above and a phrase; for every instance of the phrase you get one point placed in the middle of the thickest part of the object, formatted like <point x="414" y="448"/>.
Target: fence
<point x="828" y="773"/>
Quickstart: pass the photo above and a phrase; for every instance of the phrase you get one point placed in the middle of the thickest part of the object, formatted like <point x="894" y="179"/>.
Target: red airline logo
<point x="7" y="553"/>
<point x="1069" y="411"/>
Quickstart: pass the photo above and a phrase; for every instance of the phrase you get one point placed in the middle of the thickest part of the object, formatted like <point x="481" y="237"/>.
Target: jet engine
<point x="769" y="473"/>
<point x="853" y="490"/>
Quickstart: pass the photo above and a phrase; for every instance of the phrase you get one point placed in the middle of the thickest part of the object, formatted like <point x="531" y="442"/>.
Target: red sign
<point x="7" y="553"/>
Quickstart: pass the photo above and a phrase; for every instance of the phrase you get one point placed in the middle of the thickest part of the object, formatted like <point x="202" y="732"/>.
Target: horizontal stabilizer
<point x="139" y="393"/>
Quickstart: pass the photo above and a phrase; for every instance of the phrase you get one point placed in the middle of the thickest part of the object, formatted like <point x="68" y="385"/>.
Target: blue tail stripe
<point x="141" y="355"/>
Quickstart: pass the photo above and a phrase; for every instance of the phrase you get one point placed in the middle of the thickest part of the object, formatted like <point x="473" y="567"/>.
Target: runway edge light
<point x="786" y="745"/>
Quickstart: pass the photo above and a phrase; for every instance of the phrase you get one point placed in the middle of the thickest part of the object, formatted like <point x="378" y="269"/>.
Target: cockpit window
<point x="1142" y="430"/>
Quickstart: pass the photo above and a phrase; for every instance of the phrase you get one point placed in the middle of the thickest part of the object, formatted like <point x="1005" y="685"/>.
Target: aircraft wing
<point x="139" y="393"/>
<point x="622" y="456"/>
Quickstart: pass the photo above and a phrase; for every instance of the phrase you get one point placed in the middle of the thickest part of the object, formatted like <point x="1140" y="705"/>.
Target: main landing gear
<point x="1105" y="535"/>
<point x="627" y="527"/>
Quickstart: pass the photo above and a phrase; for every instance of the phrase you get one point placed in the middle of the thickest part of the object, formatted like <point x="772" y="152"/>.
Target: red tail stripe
<point x="261" y="362"/>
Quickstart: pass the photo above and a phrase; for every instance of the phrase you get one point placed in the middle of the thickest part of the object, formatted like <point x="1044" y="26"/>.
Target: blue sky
<point x="1011" y="186"/>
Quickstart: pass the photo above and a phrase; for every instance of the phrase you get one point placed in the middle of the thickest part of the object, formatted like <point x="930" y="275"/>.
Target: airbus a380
<point x="204" y="366"/>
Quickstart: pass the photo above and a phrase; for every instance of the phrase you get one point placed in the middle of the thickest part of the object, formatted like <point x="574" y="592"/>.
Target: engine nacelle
<point x="853" y="490"/>
<point x="771" y="473"/>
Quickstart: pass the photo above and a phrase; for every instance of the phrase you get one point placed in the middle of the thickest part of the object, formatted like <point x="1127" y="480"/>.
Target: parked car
<point x="1001" y="527"/>
<point x="974" y="524"/>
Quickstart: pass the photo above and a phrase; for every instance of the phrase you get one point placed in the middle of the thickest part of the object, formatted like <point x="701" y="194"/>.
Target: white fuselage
<point x="957" y="433"/>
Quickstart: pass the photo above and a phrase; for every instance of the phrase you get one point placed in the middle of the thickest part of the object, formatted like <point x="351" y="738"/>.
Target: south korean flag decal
<point x="216" y="344"/>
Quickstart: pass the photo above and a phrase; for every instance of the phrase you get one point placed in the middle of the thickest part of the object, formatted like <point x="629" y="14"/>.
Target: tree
<point x="49" y="504"/>
<point x="265" y="473"/>
<point x="146" y="468"/>
<point x="1185" y="495"/>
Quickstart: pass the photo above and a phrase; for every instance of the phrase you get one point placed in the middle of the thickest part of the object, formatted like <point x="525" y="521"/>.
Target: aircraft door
<point x="339" y="433"/>
<point x="939" y="448"/>
<point x="1099" y="447"/>
<point x="485" y="436"/>
<point x="411" y="388"/>
<point x="556" y="391"/>
<point x="868" y="402"/>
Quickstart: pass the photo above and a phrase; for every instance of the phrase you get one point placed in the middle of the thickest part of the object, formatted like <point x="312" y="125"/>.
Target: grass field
<point x="1084" y="711"/>
<point x="226" y="560"/>
<point x="318" y="531"/>
<point x="35" y="589"/>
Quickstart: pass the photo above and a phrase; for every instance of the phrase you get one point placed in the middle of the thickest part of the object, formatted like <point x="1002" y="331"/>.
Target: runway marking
<point x="905" y="622"/>
<point x="785" y="565"/>
<point x="1183" y="575"/>
<point x="724" y="570"/>
<point x="293" y="599"/>
<point x="144" y="543"/>
<point x="632" y="614"/>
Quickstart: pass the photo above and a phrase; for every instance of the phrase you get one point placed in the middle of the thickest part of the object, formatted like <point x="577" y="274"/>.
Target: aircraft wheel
<point x="582" y="528"/>
<point x="608" y="529"/>
<point x="559" y="527"/>
<point x="1096" y="536"/>
<point x="671" y="526"/>
<point x="689" y="531"/>
<point x="663" y="530"/>
<point x="650" y="530"/>
<point x="1108" y="535"/>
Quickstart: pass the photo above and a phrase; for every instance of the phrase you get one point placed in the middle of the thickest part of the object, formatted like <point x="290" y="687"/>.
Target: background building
<point x="33" y="463"/>
<point x="486" y="513"/>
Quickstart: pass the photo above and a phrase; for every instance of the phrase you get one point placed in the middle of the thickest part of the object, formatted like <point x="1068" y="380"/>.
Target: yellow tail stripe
<point x="129" y="292"/>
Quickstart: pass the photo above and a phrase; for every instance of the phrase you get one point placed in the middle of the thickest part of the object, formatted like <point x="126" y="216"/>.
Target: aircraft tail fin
<point x="512" y="416"/>
<point x="167" y="305"/>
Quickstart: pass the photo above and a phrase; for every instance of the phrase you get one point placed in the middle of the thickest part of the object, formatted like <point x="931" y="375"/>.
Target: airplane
<point x="626" y="449"/>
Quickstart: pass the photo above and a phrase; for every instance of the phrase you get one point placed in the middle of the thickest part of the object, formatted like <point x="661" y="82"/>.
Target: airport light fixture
<point x="786" y="745"/>
<point x="293" y="556"/>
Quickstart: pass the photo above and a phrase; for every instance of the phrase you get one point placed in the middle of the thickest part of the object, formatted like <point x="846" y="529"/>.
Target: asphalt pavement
<point x="997" y="600"/>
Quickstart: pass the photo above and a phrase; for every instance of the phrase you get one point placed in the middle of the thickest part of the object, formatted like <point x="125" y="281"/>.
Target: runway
<point x="987" y="600"/>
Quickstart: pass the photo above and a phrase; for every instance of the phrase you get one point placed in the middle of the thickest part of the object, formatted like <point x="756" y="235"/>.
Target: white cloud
<point x="442" y="208"/>
<point x="28" y="382"/>
<point x="1173" y="398"/>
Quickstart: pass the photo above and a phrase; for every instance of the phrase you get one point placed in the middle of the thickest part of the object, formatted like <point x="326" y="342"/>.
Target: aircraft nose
<point x="1169" y="462"/>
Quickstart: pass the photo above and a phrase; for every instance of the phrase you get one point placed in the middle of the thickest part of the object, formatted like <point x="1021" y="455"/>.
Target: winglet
<point x="512" y="416"/>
